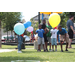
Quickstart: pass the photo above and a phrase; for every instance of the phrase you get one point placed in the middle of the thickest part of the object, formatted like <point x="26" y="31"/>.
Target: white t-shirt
<point x="54" y="33"/>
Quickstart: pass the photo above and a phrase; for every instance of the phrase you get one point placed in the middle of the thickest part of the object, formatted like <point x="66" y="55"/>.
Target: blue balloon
<point x="19" y="28"/>
<point x="27" y="24"/>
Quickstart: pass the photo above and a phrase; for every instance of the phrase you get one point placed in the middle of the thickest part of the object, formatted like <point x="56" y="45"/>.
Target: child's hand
<point x="45" y="29"/>
<point x="57" y="43"/>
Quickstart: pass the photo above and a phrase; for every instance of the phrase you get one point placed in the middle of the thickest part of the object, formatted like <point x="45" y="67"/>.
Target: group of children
<point x="52" y="37"/>
<point x="48" y="34"/>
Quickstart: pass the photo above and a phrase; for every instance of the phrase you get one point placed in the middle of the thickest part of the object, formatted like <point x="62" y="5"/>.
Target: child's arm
<point x="36" y="32"/>
<point x="45" y="31"/>
<point x="57" y="39"/>
<point x="14" y="32"/>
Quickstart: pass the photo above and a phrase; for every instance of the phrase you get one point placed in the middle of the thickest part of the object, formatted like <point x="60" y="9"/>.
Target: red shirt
<point x="22" y="35"/>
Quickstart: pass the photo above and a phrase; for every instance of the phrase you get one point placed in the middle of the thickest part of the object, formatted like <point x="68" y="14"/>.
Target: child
<point x="54" y="38"/>
<point x="49" y="35"/>
<point x="20" y="41"/>
<point x="63" y="37"/>
<point x="40" y="37"/>
<point x="32" y="37"/>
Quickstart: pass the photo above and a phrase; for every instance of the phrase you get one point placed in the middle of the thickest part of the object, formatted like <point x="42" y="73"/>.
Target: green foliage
<point x="10" y="20"/>
<point x="65" y="17"/>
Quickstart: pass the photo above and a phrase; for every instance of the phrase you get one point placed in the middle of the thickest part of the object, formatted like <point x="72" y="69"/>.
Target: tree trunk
<point x="0" y="34"/>
<point x="7" y="35"/>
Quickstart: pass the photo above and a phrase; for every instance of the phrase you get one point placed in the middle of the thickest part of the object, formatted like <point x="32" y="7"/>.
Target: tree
<point x="65" y="17"/>
<point x="2" y="17"/>
<point x="11" y="19"/>
<point x="8" y="19"/>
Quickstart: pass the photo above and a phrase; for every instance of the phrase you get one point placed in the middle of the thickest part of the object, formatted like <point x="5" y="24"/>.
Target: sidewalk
<point x="9" y="50"/>
<point x="5" y="50"/>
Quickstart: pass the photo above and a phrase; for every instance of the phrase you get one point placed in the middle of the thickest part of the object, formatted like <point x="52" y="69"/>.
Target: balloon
<point x="30" y="29"/>
<point x="19" y="28"/>
<point x="27" y="24"/>
<point x="54" y="20"/>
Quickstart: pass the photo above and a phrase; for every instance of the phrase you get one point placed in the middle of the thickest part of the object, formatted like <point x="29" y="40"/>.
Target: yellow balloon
<point x="54" y="19"/>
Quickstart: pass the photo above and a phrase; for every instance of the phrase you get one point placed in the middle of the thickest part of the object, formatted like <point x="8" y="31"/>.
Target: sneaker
<point x="66" y="50"/>
<point x="61" y="50"/>
<point x="50" y="49"/>
<point x="47" y="50"/>
<point x="19" y="52"/>
<point x="44" y="50"/>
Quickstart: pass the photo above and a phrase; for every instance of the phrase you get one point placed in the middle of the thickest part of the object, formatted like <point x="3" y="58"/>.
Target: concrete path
<point x="5" y="50"/>
<point x="9" y="50"/>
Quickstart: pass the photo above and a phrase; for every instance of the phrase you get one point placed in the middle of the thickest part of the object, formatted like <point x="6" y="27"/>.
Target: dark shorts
<point x="45" y="38"/>
<point x="70" y="33"/>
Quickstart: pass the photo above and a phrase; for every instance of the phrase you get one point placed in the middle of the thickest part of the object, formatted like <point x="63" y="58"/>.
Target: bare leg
<point x="66" y="46"/>
<point x="61" y="45"/>
<point x="38" y="47"/>
<point x="55" y="47"/>
<point x="52" y="47"/>
<point x="70" y="40"/>
<point x="46" y="45"/>
<point x="43" y="47"/>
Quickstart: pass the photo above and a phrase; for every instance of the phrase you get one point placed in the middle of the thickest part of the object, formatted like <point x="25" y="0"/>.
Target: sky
<point x="28" y="16"/>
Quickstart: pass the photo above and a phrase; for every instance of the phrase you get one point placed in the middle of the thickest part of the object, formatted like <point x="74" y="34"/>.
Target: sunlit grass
<point x="33" y="55"/>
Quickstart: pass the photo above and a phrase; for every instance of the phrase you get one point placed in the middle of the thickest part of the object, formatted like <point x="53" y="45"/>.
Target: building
<point x="36" y="17"/>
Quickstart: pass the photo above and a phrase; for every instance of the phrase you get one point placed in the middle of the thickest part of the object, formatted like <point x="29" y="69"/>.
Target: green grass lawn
<point x="13" y="47"/>
<point x="33" y="56"/>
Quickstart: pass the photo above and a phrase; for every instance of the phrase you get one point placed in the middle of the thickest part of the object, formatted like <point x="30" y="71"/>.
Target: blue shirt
<point x="62" y="32"/>
<point x="40" y="32"/>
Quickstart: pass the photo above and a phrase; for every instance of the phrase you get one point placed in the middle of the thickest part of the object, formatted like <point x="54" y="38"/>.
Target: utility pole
<point x="39" y="17"/>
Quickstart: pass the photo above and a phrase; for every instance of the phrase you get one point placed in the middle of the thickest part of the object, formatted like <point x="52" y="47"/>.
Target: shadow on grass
<point x="66" y="51"/>
<point x="21" y="59"/>
<point x="73" y="48"/>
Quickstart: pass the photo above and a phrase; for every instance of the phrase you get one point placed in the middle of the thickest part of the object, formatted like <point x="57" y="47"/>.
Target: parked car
<point x="10" y="37"/>
<point x="27" y="38"/>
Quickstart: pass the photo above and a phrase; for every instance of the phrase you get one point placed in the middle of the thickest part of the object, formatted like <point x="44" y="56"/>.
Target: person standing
<point x="40" y="38"/>
<point x="54" y="38"/>
<point x="20" y="42"/>
<point x="71" y="32"/>
<point x="32" y="37"/>
<point x="45" y="37"/>
<point x="49" y="35"/>
<point x="23" y="44"/>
